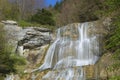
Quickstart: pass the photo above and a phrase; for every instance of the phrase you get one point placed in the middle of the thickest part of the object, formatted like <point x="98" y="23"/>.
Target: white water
<point x="75" y="46"/>
<point x="66" y="74"/>
<point x="9" y="77"/>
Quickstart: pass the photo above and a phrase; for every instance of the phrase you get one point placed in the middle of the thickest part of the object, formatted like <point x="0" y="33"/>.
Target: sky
<point x="45" y="4"/>
<point x="51" y="2"/>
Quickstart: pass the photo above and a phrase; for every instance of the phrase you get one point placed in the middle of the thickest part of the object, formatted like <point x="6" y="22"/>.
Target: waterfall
<point x="9" y="77"/>
<point x="76" y="45"/>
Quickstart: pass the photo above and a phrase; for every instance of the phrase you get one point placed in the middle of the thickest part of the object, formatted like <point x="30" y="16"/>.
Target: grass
<point x="1" y="25"/>
<point x="24" y="24"/>
<point x="115" y="78"/>
<point x="1" y="78"/>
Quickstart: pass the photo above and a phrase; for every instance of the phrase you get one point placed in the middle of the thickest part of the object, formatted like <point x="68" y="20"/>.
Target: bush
<point x="115" y="78"/>
<point x="23" y="23"/>
<point x="43" y="17"/>
<point x="113" y="40"/>
<point x="8" y="60"/>
<point x="112" y="4"/>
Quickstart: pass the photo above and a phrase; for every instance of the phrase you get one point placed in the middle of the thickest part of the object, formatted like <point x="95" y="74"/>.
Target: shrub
<point x="113" y="40"/>
<point x="115" y="78"/>
<point x="8" y="60"/>
<point x="24" y="23"/>
<point x="43" y="17"/>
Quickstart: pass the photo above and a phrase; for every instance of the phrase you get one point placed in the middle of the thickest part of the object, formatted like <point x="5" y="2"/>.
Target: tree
<point x="73" y="11"/>
<point x="19" y="9"/>
<point x="58" y="5"/>
<point x="43" y="17"/>
<point x="27" y="7"/>
<point x="8" y="10"/>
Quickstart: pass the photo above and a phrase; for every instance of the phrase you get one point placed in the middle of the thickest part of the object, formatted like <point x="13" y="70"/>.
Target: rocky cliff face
<point x="33" y="37"/>
<point x="30" y="42"/>
<point x="33" y="42"/>
<point x="27" y="38"/>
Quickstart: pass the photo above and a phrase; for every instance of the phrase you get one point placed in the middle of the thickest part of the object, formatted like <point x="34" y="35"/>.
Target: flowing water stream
<point x="76" y="45"/>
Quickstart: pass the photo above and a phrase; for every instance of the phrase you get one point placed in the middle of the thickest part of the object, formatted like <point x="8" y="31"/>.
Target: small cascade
<point x="9" y="77"/>
<point x="66" y="74"/>
<point x="76" y="46"/>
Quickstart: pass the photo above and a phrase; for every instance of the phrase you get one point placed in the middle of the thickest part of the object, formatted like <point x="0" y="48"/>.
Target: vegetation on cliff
<point x="113" y="38"/>
<point x="8" y="60"/>
<point x="111" y="8"/>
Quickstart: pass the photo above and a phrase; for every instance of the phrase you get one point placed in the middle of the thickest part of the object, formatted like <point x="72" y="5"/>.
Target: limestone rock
<point x="12" y="35"/>
<point x="10" y="22"/>
<point x="27" y="38"/>
<point x="33" y="37"/>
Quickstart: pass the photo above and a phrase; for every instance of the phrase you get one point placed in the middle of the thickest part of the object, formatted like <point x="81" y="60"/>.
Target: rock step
<point x="89" y="71"/>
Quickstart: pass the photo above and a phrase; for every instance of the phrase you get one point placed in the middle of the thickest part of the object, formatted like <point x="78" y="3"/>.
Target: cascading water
<point x="9" y="77"/>
<point x="75" y="46"/>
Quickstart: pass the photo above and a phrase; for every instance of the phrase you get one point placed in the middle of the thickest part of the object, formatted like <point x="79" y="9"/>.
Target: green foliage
<point x="8" y="60"/>
<point x="11" y="13"/>
<point x="18" y="59"/>
<point x="24" y="24"/>
<point x="115" y="78"/>
<point x="113" y="41"/>
<point x="116" y="57"/>
<point x="108" y="7"/>
<point x="8" y="10"/>
<point x="112" y="4"/>
<point x="58" y="6"/>
<point x="6" y="63"/>
<point x="1" y="77"/>
<point x="43" y="17"/>
<point x="117" y="54"/>
<point x="111" y="8"/>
